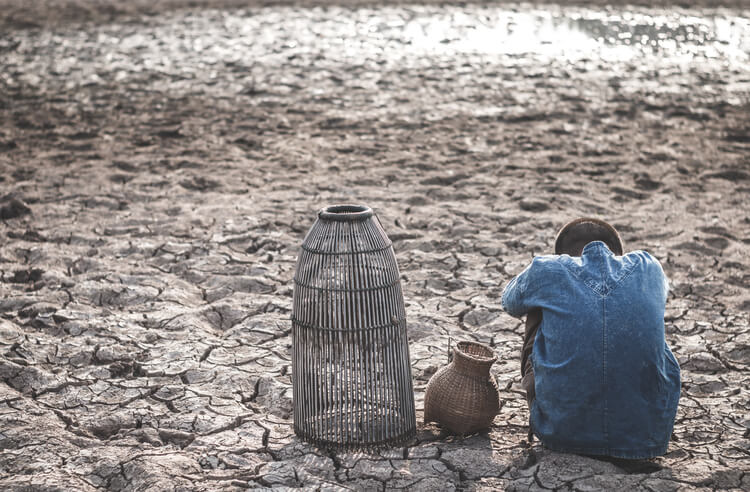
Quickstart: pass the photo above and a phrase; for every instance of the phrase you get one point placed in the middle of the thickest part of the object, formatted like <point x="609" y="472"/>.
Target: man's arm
<point x="521" y="294"/>
<point x="513" y="294"/>
<point x="655" y="274"/>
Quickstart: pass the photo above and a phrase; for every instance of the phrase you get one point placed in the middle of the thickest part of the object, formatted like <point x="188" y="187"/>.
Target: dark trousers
<point x="533" y="321"/>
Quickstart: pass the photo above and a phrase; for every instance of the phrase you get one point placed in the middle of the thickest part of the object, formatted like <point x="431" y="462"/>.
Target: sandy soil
<point x="158" y="174"/>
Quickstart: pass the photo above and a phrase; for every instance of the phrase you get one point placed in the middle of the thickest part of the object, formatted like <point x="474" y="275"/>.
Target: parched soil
<point x="158" y="173"/>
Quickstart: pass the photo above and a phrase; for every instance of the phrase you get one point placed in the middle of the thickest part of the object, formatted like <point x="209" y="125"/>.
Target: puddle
<point x="565" y="33"/>
<point x="571" y="34"/>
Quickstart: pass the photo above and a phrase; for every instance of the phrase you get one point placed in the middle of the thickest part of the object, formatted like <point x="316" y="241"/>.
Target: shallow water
<point x="370" y="59"/>
<point x="395" y="35"/>
<point x="562" y="33"/>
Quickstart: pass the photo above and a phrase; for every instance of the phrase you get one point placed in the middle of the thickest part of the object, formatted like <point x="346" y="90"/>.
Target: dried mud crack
<point x="158" y="173"/>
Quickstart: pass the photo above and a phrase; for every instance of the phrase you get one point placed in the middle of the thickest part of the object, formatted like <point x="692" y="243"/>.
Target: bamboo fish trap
<point x="351" y="373"/>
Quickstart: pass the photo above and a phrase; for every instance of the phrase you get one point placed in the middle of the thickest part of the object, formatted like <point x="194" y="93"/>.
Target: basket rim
<point x="345" y="212"/>
<point x="475" y="358"/>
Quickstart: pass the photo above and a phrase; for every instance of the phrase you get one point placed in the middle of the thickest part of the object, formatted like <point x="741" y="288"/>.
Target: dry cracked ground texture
<point x="158" y="176"/>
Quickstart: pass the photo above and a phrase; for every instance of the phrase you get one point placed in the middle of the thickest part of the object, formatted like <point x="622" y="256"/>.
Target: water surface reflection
<point x="292" y="47"/>
<point x="560" y="32"/>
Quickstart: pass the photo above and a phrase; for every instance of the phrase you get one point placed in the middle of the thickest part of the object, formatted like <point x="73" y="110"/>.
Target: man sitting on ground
<point x="599" y="376"/>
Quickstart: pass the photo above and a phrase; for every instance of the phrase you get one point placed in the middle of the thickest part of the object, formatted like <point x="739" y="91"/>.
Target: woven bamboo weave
<point x="462" y="396"/>
<point x="351" y="374"/>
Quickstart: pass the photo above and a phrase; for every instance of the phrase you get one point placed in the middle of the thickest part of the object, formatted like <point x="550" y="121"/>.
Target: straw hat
<point x="576" y="234"/>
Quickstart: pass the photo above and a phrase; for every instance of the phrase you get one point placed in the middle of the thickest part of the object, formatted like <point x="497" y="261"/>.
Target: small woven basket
<point x="462" y="396"/>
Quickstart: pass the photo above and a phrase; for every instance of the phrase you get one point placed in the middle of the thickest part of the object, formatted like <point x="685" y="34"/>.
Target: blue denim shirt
<point x="606" y="382"/>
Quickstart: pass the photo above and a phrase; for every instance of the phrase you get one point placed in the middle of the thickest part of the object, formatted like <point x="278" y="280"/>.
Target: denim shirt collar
<point x="599" y="268"/>
<point x="596" y="246"/>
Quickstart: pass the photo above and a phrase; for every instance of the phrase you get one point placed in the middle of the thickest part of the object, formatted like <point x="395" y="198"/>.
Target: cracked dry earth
<point x="158" y="175"/>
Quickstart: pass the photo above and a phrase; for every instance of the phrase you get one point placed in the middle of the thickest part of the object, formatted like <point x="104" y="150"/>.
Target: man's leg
<point x="533" y="321"/>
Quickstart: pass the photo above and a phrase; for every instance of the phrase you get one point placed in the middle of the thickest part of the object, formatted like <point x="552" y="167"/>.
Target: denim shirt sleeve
<point x="657" y="273"/>
<point x="664" y="279"/>
<point x="520" y="294"/>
